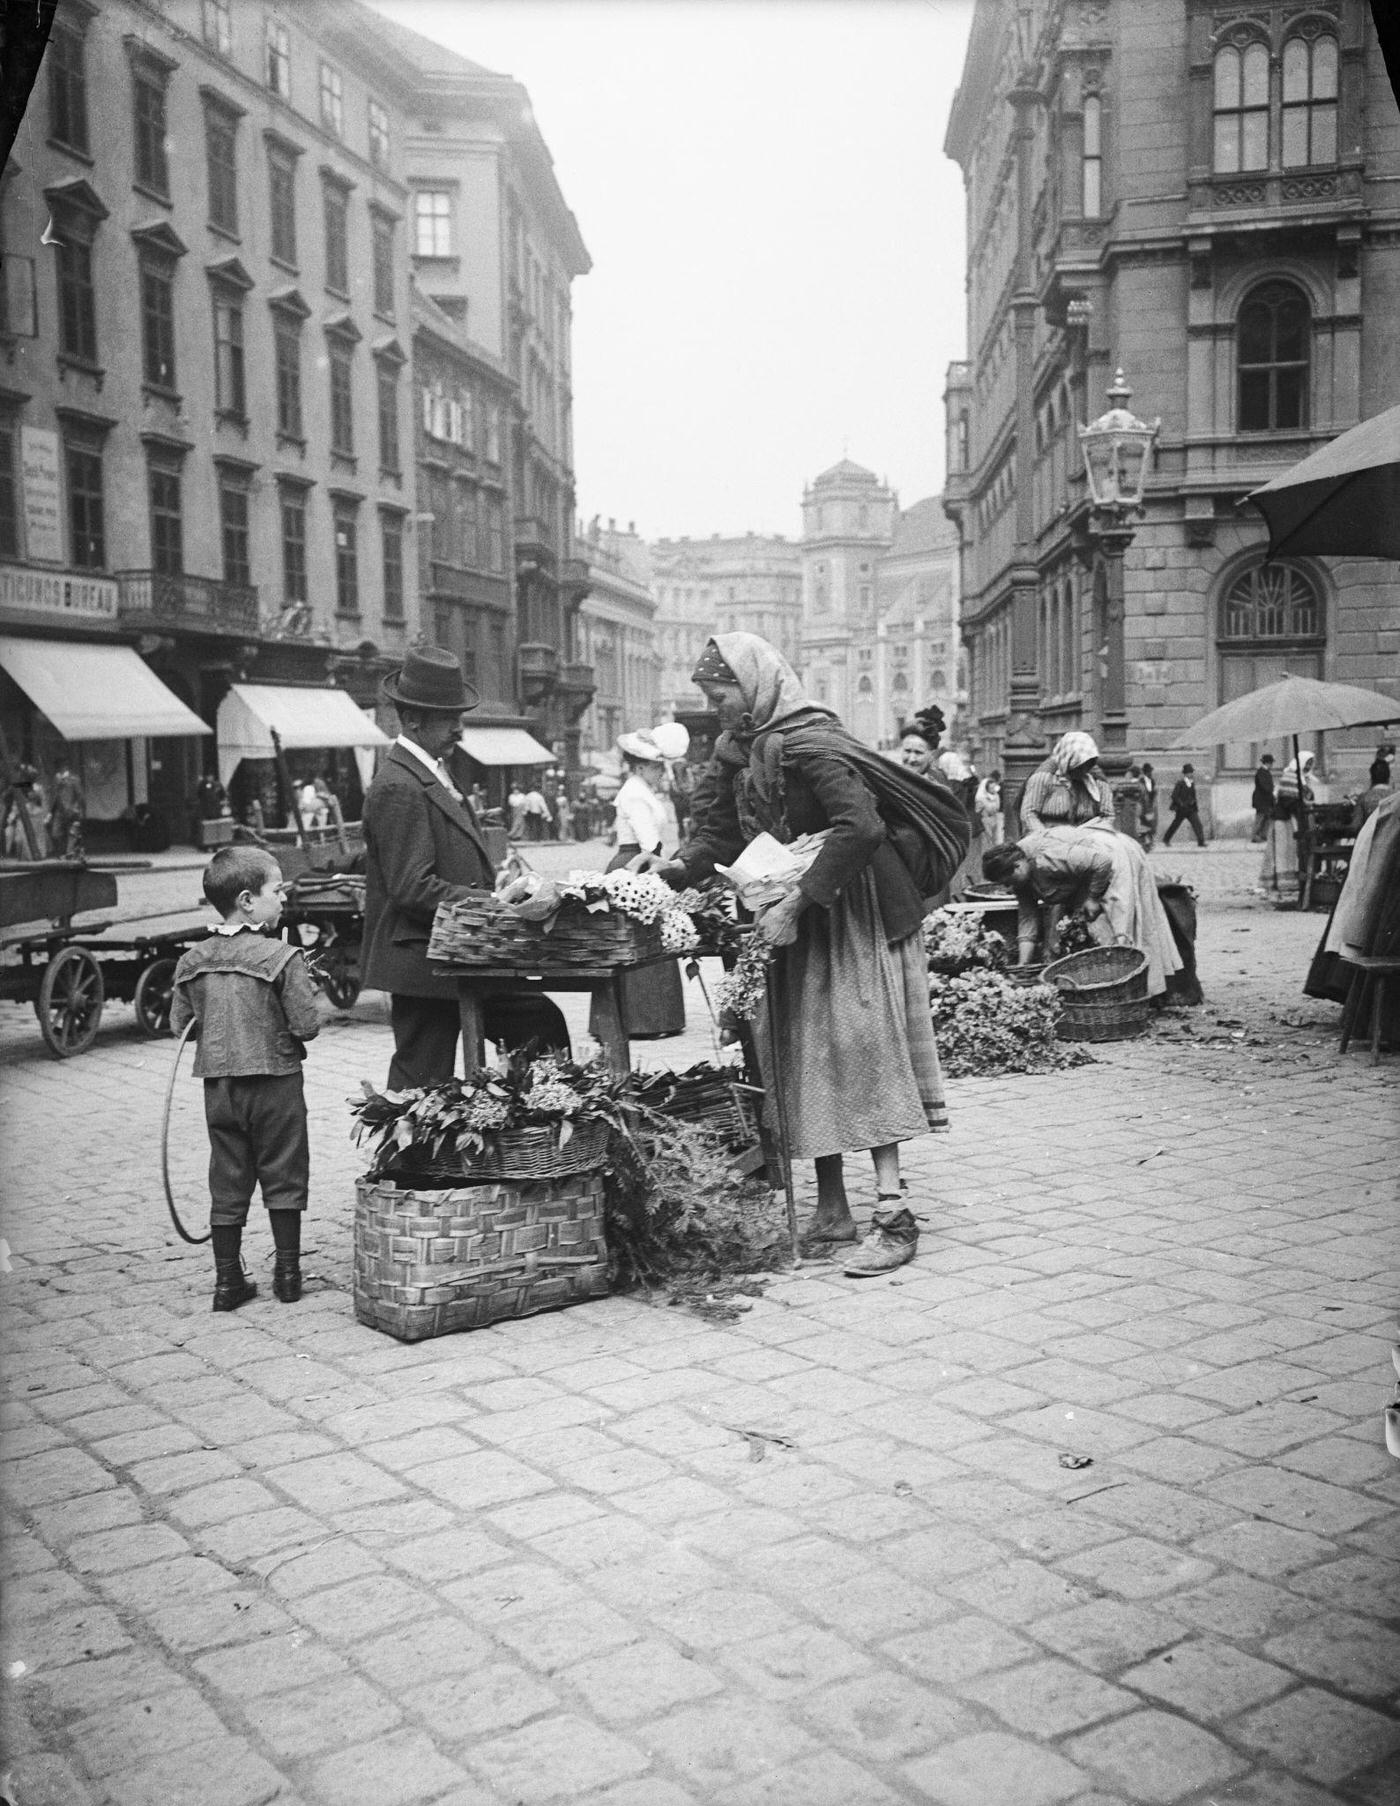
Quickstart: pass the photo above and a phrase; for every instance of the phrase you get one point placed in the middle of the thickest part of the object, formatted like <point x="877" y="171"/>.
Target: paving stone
<point x="99" y="1683"/>
<point x="1238" y="1606"/>
<point x="130" y="1547"/>
<point x="881" y="1717"/>
<point x="223" y="1773"/>
<point x="554" y="1640"/>
<point x="993" y="1769"/>
<point x="282" y="1662"/>
<point x="135" y="1732"/>
<point x="57" y="1638"/>
<point x="1108" y="1635"/>
<point x="1295" y="1500"/>
<point x="55" y="1474"/>
<point x="1208" y="1678"/>
<point x="1322" y="1737"/>
<point x="328" y="1715"/>
<point x="715" y="1617"/>
<point x="1362" y="1584"/>
<point x="235" y="1615"/>
<point x="358" y="1608"/>
<point x="400" y="1768"/>
<point x="715" y="1745"/>
<point x="185" y="1577"/>
<point x="824" y="1780"/>
<point x="1154" y="1756"/>
<point x="446" y="1554"/>
<point x="555" y="1758"/>
<point x="1136" y="1567"/>
<point x="1354" y="1654"/>
<point x="1018" y="1592"/>
<point x="966" y="1646"/>
<point x="1046" y="1699"/>
<point x="1270" y="1550"/>
<point x="640" y="1680"/>
<point x="334" y="1482"/>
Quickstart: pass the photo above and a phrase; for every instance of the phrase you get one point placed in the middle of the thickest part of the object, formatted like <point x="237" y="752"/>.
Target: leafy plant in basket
<point x="430" y="1128"/>
<point x="959" y="941"/>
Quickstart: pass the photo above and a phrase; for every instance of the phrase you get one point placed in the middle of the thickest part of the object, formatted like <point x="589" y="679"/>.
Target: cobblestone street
<point x="277" y="1556"/>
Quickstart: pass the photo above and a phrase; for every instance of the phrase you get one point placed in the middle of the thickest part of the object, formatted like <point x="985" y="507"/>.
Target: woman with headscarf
<point x="653" y="1000"/>
<point x="1068" y="788"/>
<point x="856" y="1057"/>
<point x="1278" y="871"/>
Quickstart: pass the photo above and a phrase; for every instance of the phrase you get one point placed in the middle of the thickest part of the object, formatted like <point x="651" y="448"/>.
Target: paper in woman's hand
<point x="768" y="870"/>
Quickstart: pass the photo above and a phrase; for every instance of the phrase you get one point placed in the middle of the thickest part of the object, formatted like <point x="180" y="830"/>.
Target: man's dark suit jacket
<point x="422" y="848"/>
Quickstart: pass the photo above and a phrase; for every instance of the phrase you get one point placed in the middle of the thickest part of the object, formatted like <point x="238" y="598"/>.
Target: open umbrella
<point x="1292" y="706"/>
<point x="1342" y="501"/>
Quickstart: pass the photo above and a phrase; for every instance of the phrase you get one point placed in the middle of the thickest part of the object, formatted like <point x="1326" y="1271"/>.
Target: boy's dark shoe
<point x="232" y="1287"/>
<point x="286" y="1278"/>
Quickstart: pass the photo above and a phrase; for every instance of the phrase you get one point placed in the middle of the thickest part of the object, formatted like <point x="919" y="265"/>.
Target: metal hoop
<point x="180" y="1229"/>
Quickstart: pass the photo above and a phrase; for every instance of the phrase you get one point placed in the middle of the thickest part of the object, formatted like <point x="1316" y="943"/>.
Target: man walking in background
<point x="1185" y="807"/>
<point x="1262" y="801"/>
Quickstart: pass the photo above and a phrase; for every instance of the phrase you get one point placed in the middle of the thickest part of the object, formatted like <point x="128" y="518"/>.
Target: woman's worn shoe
<point x="286" y="1278"/>
<point x="893" y="1238"/>
<point x="232" y="1287"/>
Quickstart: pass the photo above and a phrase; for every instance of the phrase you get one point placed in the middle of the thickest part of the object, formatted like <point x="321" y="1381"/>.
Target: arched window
<point x="1309" y="101"/>
<point x="1272" y="354"/>
<point x="1093" y="156"/>
<point x="1272" y="622"/>
<point x="1241" y="108"/>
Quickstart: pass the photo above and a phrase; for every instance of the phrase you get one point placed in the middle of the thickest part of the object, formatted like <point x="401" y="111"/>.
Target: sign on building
<point x="58" y="593"/>
<point x="43" y="523"/>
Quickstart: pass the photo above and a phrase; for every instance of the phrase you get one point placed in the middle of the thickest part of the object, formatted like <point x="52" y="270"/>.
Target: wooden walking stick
<point x="775" y="1071"/>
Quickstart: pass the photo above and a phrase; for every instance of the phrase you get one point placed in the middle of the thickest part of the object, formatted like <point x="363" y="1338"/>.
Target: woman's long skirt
<point x="1134" y="910"/>
<point x="653" y="998"/>
<point x="856" y="1054"/>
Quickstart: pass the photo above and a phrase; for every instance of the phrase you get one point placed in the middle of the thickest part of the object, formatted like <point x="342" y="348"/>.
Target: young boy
<point x="255" y="1006"/>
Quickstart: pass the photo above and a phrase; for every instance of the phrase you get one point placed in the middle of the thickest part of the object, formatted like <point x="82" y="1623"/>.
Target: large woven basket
<point x="479" y="932"/>
<point x="429" y="1262"/>
<point x="533" y="1153"/>
<point x="1103" y="994"/>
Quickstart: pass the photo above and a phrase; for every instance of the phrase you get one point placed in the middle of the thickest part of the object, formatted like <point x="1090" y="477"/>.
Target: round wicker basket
<point x="1103" y="993"/>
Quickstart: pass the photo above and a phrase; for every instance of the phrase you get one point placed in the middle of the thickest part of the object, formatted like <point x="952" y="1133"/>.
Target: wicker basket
<point x="479" y="932"/>
<point x="708" y="1099"/>
<point x="519" y="1154"/>
<point x="1024" y="975"/>
<point x="428" y="1263"/>
<point x="1103" y="994"/>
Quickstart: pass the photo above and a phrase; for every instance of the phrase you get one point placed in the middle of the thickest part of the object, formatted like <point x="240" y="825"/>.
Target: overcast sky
<point x="777" y="239"/>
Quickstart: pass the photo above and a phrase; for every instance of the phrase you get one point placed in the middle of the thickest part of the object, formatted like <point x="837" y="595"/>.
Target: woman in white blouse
<point x="653" y="1001"/>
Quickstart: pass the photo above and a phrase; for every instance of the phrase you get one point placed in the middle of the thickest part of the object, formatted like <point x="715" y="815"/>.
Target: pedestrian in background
<point x="1380" y="765"/>
<point x="1185" y="807"/>
<point x="515" y="802"/>
<point x="254" y="1004"/>
<point x="653" y="1000"/>
<point x="1067" y="789"/>
<point x="1262" y="801"/>
<point x="538" y="820"/>
<point x="988" y="803"/>
<point x="65" y="823"/>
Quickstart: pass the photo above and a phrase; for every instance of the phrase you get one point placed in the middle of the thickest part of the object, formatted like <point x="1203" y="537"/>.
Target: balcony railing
<point x="199" y="602"/>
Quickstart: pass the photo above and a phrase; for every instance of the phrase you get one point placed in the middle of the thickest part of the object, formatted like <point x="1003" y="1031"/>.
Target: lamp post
<point x="1116" y="448"/>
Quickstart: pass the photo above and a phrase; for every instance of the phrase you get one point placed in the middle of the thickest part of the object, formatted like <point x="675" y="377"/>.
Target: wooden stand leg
<point x="1351" y="1009"/>
<point x="608" y="1024"/>
<point x="473" y="1042"/>
<point x="1378" y="984"/>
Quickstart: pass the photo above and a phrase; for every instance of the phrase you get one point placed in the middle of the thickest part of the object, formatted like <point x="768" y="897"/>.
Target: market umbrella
<point x="1342" y="501"/>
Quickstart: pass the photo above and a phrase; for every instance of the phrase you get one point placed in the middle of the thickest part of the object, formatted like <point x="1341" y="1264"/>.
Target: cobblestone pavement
<point x="276" y="1556"/>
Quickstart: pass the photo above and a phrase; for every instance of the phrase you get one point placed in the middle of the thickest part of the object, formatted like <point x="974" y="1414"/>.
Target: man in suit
<point x="1262" y="800"/>
<point x="423" y="847"/>
<point x="1186" y="807"/>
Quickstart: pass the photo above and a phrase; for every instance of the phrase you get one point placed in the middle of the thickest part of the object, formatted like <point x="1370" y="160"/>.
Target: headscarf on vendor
<point x="1067" y="789"/>
<point x="772" y="691"/>
<point x="1074" y="752"/>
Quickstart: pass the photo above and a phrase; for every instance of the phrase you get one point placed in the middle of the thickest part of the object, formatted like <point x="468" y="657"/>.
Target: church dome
<point x="845" y="473"/>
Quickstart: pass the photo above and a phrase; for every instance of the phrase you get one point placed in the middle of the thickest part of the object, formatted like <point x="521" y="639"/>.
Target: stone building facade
<point x="1205" y="195"/>
<point x="917" y="656"/>
<point x="744" y="584"/>
<point x="205" y="428"/>
<point x="617" y="635"/>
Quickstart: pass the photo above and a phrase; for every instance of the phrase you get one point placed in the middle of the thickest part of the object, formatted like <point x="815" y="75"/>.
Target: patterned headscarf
<point x="712" y="668"/>
<point x="1071" y="751"/>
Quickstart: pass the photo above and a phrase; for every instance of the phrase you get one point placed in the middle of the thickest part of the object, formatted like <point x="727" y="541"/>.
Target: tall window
<point x="292" y="503"/>
<point x="221" y="159"/>
<point x="230" y="381"/>
<point x="432" y="222"/>
<point x="87" y="526"/>
<point x="337" y="211"/>
<point x="383" y="261"/>
<point x="68" y="114"/>
<point x="218" y="26"/>
<point x="391" y="539"/>
<point x="278" y="61"/>
<point x="347" y="566"/>
<point x="233" y="527"/>
<point x="282" y="194"/>
<point x="167" y="523"/>
<point x="158" y="320"/>
<point x="1272" y="339"/>
<point x="1309" y="102"/>
<point x="1271" y="622"/>
<point x="148" y="101"/>
<point x="1093" y="156"/>
<point x="388" y="385"/>
<point x="378" y="135"/>
<point x="77" y="311"/>
<point x="1241" y="108"/>
<point x="342" y="398"/>
<point x="9" y="488"/>
<point x="286" y="335"/>
<point x="496" y="534"/>
<point x="332" y="100"/>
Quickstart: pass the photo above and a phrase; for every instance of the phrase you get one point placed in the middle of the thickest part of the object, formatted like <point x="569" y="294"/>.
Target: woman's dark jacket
<point x="817" y="789"/>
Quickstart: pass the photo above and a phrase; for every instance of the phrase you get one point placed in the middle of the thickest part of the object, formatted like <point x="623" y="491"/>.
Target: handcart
<point x="68" y="972"/>
<point x="324" y="913"/>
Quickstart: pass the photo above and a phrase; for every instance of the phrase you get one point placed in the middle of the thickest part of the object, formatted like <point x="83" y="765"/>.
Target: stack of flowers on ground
<point x="986" y="1023"/>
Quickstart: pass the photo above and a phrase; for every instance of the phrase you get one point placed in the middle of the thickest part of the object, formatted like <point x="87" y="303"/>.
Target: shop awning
<point x="96" y="692"/>
<point x="504" y="746"/>
<point x="301" y="716"/>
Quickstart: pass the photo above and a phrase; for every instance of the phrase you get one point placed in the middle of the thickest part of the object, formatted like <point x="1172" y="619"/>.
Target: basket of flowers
<point x="484" y="1199"/>
<point x="958" y="940"/>
<point x="588" y="919"/>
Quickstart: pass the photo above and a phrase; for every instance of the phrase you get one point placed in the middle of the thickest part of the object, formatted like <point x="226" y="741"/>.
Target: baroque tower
<point x="848" y="519"/>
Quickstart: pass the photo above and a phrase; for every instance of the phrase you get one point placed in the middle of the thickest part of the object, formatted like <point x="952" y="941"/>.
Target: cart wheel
<point x="339" y="980"/>
<point x="154" y="989"/>
<point x="70" y="1002"/>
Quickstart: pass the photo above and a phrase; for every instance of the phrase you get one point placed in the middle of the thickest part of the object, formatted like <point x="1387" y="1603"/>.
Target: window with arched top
<point x="1309" y="101"/>
<point x="1272" y="355"/>
<point x="1272" y="622"/>
<point x="1241" y="107"/>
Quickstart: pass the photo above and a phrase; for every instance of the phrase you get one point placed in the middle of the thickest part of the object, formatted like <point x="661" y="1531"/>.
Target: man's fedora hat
<point x="431" y="678"/>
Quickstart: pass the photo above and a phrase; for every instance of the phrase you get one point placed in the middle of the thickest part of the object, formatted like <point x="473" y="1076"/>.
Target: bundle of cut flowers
<point x="408" y="1130"/>
<point x="641" y="895"/>
<point x="959" y="941"/>
<point x="714" y="910"/>
<point x="740" y="993"/>
<point x="985" y="1024"/>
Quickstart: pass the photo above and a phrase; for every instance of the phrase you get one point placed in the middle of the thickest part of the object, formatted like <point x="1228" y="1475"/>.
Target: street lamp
<point x="1116" y="448"/>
